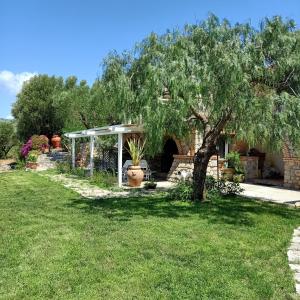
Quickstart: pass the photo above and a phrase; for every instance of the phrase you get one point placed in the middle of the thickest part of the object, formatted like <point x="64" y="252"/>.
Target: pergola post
<point x="120" y="158"/>
<point x="92" y="155"/>
<point x="73" y="153"/>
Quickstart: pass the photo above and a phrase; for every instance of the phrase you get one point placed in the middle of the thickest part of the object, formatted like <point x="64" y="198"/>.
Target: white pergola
<point x="102" y="131"/>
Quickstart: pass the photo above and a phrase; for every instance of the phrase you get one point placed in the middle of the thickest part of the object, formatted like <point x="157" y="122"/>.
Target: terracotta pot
<point x="228" y="173"/>
<point x="56" y="141"/>
<point x="135" y="176"/>
<point x="31" y="165"/>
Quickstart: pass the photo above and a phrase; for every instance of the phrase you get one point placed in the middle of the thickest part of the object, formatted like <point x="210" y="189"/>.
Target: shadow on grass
<point x="231" y="210"/>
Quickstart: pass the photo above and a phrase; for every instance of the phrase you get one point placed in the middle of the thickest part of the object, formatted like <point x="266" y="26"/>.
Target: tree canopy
<point x="220" y="78"/>
<point x="7" y="137"/>
<point x="34" y="110"/>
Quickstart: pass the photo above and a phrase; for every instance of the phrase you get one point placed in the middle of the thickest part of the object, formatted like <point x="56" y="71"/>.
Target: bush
<point x="222" y="187"/>
<point x="63" y="167"/>
<point x="233" y="161"/>
<point x="183" y="191"/>
<point x="7" y="138"/>
<point x="32" y="156"/>
<point x="104" y="179"/>
<point x="26" y="148"/>
<point x="39" y="142"/>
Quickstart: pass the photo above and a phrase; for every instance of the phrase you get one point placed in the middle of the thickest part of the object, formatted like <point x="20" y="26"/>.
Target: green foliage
<point x="8" y="137"/>
<point x="150" y="185"/>
<point x="183" y="191"/>
<point x="136" y="149"/>
<point x="63" y="167"/>
<point x="222" y="187"/>
<point x="33" y="156"/>
<point x="239" y="178"/>
<point x="102" y="179"/>
<point x="39" y="141"/>
<point x="216" y="69"/>
<point x="34" y="110"/>
<point x="234" y="161"/>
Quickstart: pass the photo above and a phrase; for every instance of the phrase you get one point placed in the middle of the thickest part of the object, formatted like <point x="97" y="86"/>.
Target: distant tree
<point x="34" y="110"/>
<point x="220" y="78"/>
<point x="8" y="137"/>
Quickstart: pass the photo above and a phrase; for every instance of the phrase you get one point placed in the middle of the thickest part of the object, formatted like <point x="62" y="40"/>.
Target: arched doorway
<point x="170" y="148"/>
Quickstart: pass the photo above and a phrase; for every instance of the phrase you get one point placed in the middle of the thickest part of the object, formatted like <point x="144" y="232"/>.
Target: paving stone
<point x="295" y="267"/>
<point x="296" y="239"/>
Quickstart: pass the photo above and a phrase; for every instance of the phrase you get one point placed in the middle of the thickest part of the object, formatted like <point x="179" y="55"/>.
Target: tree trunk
<point x="201" y="161"/>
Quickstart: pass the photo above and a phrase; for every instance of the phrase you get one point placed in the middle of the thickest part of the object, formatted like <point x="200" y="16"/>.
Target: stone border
<point x="294" y="257"/>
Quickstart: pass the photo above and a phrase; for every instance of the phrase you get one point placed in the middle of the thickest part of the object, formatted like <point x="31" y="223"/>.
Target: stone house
<point x="260" y="165"/>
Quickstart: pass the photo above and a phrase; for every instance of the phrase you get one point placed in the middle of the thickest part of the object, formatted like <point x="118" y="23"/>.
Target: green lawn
<point x="54" y="244"/>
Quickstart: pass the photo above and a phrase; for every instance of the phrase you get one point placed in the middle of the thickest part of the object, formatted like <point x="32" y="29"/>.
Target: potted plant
<point x="31" y="160"/>
<point x="136" y="150"/>
<point x="233" y="165"/>
<point x="150" y="185"/>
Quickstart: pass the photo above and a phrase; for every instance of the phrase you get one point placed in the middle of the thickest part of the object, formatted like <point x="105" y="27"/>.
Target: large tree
<point x="8" y="137"/>
<point x="34" y="108"/>
<point x="220" y="78"/>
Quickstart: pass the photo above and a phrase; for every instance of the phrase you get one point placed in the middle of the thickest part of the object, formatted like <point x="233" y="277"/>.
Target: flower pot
<point x="31" y="165"/>
<point x="135" y="176"/>
<point x="228" y="173"/>
<point x="56" y="142"/>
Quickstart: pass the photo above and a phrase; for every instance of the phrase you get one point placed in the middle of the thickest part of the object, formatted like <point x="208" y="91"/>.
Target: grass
<point x="54" y="244"/>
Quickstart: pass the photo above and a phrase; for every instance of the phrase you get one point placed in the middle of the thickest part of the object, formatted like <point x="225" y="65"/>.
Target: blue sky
<point x="64" y="37"/>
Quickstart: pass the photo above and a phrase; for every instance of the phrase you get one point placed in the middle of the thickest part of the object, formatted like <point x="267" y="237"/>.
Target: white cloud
<point x="13" y="81"/>
<point x="9" y="117"/>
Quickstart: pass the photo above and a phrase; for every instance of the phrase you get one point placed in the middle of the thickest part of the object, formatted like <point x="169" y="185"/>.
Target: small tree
<point x="7" y="137"/>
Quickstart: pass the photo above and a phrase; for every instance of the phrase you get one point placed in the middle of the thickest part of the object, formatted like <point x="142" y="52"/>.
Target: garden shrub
<point x="222" y="186"/>
<point x="104" y="179"/>
<point x="32" y="156"/>
<point x="39" y="142"/>
<point x="63" y="167"/>
<point x="183" y="190"/>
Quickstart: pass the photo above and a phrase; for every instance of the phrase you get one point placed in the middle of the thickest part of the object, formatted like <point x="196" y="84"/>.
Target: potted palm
<point x="135" y="174"/>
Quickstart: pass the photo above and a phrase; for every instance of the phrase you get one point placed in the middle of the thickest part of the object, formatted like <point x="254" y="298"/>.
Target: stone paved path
<point x="294" y="257"/>
<point x="84" y="188"/>
<point x="271" y="194"/>
<point x="87" y="190"/>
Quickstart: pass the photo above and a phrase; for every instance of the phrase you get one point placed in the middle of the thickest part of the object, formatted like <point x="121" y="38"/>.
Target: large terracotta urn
<point x="56" y="141"/>
<point x="135" y="176"/>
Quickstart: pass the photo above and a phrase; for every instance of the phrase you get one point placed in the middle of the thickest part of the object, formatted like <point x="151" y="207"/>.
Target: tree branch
<point x="200" y="115"/>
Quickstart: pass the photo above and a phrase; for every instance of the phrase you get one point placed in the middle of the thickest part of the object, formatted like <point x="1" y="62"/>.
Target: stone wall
<point x="292" y="173"/>
<point x="186" y="163"/>
<point x="250" y="164"/>
<point x="180" y="163"/>
<point x="291" y="162"/>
